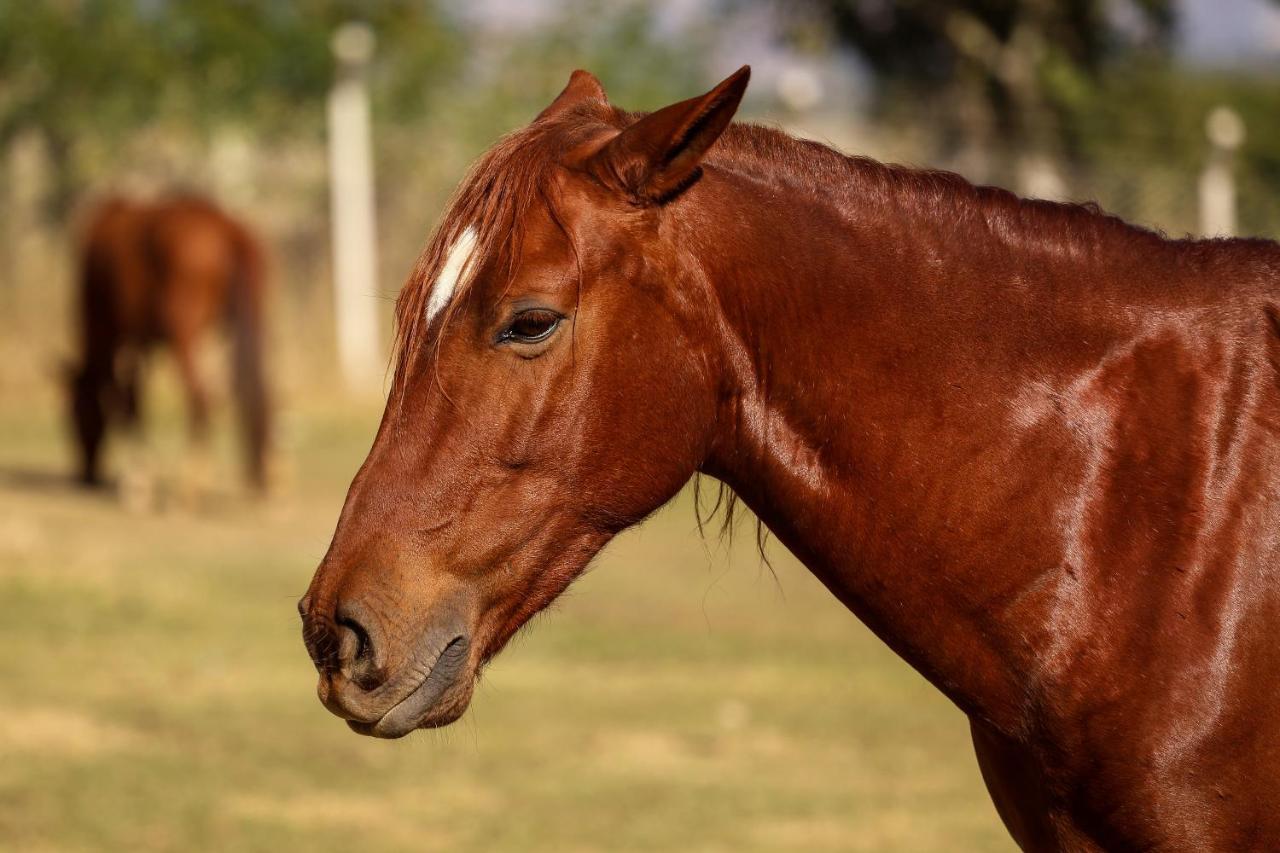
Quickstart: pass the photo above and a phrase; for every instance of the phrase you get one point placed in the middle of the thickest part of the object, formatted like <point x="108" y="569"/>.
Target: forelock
<point x="487" y="210"/>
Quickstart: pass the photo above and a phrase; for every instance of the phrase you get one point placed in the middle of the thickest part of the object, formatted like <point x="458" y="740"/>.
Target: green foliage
<point x="89" y="75"/>
<point x="86" y="75"/>
<point x="1146" y="112"/>
<point x="1159" y="111"/>
<point x="518" y="72"/>
<point x="107" y="66"/>
<point x="999" y="70"/>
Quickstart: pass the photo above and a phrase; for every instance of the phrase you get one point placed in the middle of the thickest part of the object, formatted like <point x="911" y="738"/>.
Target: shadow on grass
<point x="50" y="482"/>
<point x="166" y="495"/>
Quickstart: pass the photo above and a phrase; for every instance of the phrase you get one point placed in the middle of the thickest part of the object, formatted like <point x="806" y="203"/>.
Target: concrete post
<point x="355" y="270"/>
<point x="1225" y="130"/>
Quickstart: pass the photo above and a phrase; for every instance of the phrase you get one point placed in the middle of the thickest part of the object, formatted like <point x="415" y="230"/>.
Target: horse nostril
<point x="353" y="641"/>
<point x="304" y="605"/>
<point x="356" y="652"/>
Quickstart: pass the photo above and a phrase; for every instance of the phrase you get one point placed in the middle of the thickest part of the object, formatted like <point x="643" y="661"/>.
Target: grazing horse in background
<point x="166" y="274"/>
<point x="1036" y="449"/>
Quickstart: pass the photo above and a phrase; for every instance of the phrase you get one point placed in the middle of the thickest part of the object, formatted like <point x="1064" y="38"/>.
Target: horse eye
<point x="531" y="326"/>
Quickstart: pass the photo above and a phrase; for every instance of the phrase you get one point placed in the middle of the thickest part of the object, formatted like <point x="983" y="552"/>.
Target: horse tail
<point x="247" y="307"/>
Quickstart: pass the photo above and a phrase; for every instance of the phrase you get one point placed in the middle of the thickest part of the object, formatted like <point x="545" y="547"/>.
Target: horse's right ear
<point x="583" y="86"/>
<point x="660" y="154"/>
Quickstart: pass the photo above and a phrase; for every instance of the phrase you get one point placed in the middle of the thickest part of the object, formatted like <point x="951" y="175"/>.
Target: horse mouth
<point x="422" y="708"/>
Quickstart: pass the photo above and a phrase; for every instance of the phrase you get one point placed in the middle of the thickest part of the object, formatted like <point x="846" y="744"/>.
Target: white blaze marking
<point x="454" y="266"/>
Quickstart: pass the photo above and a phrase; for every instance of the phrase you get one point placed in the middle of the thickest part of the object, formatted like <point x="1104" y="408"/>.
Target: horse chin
<point x="447" y="711"/>
<point x="441" y="698"/>
<point x="436" y="718"/>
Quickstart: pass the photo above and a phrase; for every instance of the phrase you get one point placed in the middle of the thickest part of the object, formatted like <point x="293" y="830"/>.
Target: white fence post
<point x="355" y="267"/>
<point x="1225" y="130"/>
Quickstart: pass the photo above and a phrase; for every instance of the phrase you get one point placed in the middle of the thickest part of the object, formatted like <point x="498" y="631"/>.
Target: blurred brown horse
<point x="166" y="274"/>
<point x="1034" y="448"/>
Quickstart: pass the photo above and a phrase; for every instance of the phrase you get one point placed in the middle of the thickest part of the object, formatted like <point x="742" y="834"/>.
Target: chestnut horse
<point x="1034" y="448"/>
<point x="165" y="274"/>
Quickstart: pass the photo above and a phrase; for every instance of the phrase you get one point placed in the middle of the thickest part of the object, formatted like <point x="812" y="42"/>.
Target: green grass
<point x="156" y="695"/>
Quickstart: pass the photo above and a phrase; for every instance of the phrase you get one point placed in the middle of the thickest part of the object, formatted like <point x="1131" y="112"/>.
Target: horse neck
<point x="862" y="422"/>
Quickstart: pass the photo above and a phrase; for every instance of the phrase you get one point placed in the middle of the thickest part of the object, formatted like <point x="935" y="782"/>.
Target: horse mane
<point x="936" y="195"/>
<point x="493" y="198"/>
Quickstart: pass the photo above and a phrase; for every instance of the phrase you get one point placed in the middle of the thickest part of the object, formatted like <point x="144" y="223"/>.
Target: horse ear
<point x="583" y="86"/>
<point x="659" y="155"/>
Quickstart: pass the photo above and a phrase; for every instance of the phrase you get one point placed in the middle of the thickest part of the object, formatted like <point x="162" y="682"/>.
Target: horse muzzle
<point x="426" y="688"/>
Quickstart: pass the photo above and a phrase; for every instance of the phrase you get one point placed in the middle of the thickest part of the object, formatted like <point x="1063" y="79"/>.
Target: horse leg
<point x="137" y="480"/>
<point x="246" y="322"/>
<point x="89" y="417"/>
<point x="93" y="381"/>
<point x="196" y="475"/>
<point x="254" y="408"/>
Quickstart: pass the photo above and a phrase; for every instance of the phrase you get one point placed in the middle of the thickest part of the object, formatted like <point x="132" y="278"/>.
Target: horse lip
<point x="406" y="714"/>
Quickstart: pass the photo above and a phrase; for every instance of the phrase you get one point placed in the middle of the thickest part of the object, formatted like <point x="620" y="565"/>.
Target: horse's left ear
<point x="659" y="155"/>
<point x="583" y="86"/>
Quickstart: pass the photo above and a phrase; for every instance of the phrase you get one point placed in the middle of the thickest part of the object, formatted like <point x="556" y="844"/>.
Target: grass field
<point x="156" y="695"/>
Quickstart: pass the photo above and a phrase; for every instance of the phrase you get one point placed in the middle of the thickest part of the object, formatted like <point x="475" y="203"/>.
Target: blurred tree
<point x="99" y="69"/>
<point x="1153" y="115"/>
<point x="1002" y="70"/>
<point x="617" y="40"/>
